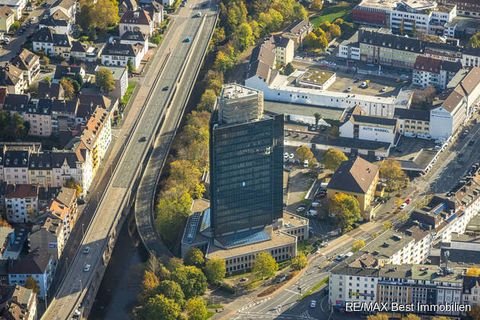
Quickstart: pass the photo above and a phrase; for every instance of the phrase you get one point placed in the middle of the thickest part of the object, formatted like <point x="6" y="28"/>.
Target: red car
<point x="408" y="201"/>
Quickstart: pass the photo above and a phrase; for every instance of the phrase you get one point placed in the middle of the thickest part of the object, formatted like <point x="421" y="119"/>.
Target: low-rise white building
<point x="434" y="72"/>
<point x="21" y="203"/>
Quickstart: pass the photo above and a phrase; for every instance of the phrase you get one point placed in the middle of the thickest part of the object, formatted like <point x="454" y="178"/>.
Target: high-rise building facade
<point x="246" y="163"/>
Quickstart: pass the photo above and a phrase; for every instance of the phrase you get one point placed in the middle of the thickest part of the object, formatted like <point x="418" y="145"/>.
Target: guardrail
<point x="157" y="178"/>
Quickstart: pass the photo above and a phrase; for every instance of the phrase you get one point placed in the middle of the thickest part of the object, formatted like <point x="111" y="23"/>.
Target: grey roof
<point x="390" y="41"/>
<point x="138" y="17"/>
<point x="25" y="60"/>
<point x="354" y="175"/>
<point x="15" y="159"/>
<point x="15" y="102"/>
<point x="77" y="46"/>
<point x="46" y="35"/>
<point x="120" y="49"/>
<point x="51" y="22"/>
<point x="66" y="71"/>
<point x="298" y="26"/>
<point x="373" y="120"/>
<point x="344" y="269"/>
<point x="133" y="36"/>
<point x="52" y="159"/>
<point x="281" y="41"/>
<point x="35" y="262"/>
<point x="50" y="90"/>
<point x="412" y="114"/>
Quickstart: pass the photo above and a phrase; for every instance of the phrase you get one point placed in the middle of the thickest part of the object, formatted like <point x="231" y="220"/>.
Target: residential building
<point x="350" y="49"/>
<point x="21" y="203"/>
<point x="18" y="303"/>
<point x="468" y="8"/>
<point x="119" y="54"/>
<point x="64" y="208"/>
<point x="50" y="90"/>
<point x="49" y="237"/>
<point x="12" y="78"/>
<point x="82" y="52"/>
<point x="358" y="178"/>
<point x="247" y="196"/>
<point x="120" y="75"/>
<point x="68" y="71"/>
<point x="457" y="107"/>
<point x="357" y="125"/>
<point x="413" y="122"/>
<point x="348" y="284"/>
<point x="36" y="111"/>
<point x="97" y="136"/>
<point x="136" y="20"/>
<point x="7" y="18"/>
<point x="434" y="72"/>
<point x="64" y="10"/>
<point x="16" y="5"/>
<point x="64" y="114"/>
<point x="136" y="38"/>
<point x="15" y="165"/>
<point x="284" y="49"/>
<point x="58" y="26"/>
<point x="297" y="31"/>
<point x="471" y="57"/>
<point x="38" y="265"/>
<point x="52" y="44"/>
<point x="29" y="63"/>
<point x="156" y="12"/>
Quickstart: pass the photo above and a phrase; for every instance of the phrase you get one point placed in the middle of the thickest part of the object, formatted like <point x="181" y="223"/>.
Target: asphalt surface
<point x="173" y="53"/>
<point x="144" y="203"/>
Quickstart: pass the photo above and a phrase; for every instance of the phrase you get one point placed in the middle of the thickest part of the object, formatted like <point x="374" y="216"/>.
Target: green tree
<point x="207" y="101"/>
<point x="104" y="80"/>
<point x="387" y="225"/>
<point x="12" y="126"/>
<point x="171" y="290"/>
<point x="335" y="30"/>
<point x="244" y="36"/>
<point x="68" y="88"/>
<point x="393" y="175"/>
<point x="333" y="158"/>
<point x="317" y="116"/>
<point x="130" y="66"/>
<point x="304" y="153"/>
<point x="150" y="281"/>
<point x="99" y="14"/>
<point x="172" y="210"/>
<point x="72" y="184"/>
<point x="160" y="307"/>
<point x="264" y="266"/>
<point x="317" y="5"/>
<point x="346" y="209"/>
<point x="474" y="41"/>
<point x="192" y="281"/>
<point x="474" y="314"/>
<point x="358" y="244"/>
<point x="196" y="309"/>
<point x="194" y="257"/>
<point x="215" y="81"/>
<point x="224" y="61"/>
<point x="215" y="270"/>
<point x="299" y="262"/>
<point x="32" y="284"/>
<point x="186" y="174"/>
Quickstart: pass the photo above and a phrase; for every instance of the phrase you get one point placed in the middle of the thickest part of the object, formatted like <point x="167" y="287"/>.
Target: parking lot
<point x="376" y="86"/>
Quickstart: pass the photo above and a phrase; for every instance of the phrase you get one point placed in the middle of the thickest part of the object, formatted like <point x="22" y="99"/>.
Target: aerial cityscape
<point x="240" y="159"/>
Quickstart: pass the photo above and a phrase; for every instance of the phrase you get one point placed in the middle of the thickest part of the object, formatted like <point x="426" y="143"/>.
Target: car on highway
<point x="87" y="268"/>
<point x="165" y="88"/>
<point x="86" y="250"/>
<point x="403" y="206"/>
<point x="408" y="200"/>
<point x="301" y="209"/>
<point x="142" y="139"/>
<point x="198" y="15"/>
<point x="349" y="89"/>
<point x="315" y="204"/>
<point x="313" y="304"/>
<point x="384" y="89"/>
<point x="187" y="39"/>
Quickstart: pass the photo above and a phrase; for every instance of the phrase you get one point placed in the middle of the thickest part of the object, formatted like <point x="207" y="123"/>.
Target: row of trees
<point x="243" y="22"/>
<point x="173" y="292"/>
<point x="322" y="35"/>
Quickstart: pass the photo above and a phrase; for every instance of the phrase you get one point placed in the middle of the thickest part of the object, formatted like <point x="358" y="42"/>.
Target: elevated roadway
<point x="180" y="57"/>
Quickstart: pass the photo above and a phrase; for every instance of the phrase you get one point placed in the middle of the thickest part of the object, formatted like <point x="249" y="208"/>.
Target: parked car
<point x="87" y="268"/>
<point x="86" y="250"/>
<point x="313" y="304"/>
<point x="301" y="209"/>
<point x="403" y="206"/>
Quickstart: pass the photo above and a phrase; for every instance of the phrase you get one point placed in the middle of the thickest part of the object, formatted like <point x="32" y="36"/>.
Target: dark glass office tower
<point x="246" y="163"/>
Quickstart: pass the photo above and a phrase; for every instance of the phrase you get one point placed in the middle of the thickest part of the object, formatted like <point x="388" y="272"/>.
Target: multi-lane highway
<point x="178" y="56"/>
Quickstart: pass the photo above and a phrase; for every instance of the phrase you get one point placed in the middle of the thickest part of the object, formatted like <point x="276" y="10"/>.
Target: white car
<point x="313" y="304"/>
<point x="315" y="204"/>
<point x="403" y="206"/>
<point x="87" y="268"/>
<point x="86" y="250"/>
